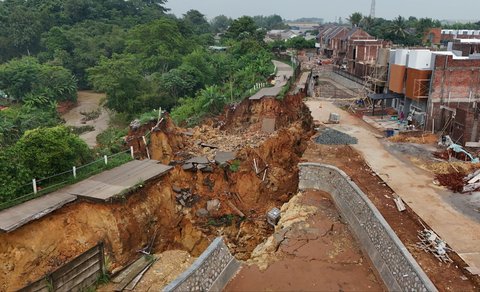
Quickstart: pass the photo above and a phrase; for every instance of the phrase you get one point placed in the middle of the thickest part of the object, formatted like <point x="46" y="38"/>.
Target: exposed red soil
<point x="319" y="254"/>
<point x="453" y="181"/>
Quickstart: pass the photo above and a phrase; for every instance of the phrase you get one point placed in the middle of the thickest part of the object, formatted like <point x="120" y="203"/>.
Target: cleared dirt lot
<point x="319" y="253"/>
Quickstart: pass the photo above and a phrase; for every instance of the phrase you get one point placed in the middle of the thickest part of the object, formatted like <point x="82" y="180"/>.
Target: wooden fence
<point x="77" y="275"/>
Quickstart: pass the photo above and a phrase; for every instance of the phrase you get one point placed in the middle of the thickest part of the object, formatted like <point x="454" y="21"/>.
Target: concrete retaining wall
<point x="396" y="266"/>
<point x="352" y="85"/>
<point x="210" y="272"/>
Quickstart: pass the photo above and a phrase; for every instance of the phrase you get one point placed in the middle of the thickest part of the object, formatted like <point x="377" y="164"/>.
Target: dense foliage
<point x="27" y="80"/>
<point x="39" y="153"/>
<point x="402" y="31"/>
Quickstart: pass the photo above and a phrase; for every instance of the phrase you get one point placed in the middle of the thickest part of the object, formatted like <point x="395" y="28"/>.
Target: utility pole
<point x="372" y="9"/>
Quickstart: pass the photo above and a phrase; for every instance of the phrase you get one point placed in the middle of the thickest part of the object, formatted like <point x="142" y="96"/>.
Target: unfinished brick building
<point x="440" y="89"/>
<point x="454" y="97"/>
<point x="467" y="47"/>
<point x="438" y="36"/>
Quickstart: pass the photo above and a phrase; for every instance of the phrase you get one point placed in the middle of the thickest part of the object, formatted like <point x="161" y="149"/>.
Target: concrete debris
<point x="188" y="166"/>
<point x="268" y="125"/>
<point x="334" y="118"/>
<point x="273" y="216"/>
<point x="222" y="157"/>
<point x="198" y="160"/>
<point x="459" y="183"/>
<point x="213" y="205"/>
<point x="186" y="198"/>
<point x="202" y="212"/>
<point x="135" y="124"/>
<point x="198" y="163"/>
<point x="432" y="243"/>
<point x="208" y="145"/>
<point x="399" y="203"/>
<point x="333" y="137"/>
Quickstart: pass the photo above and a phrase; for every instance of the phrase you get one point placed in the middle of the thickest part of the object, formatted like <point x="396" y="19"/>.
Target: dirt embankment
<point x="130" y="223"/>
<point x="33" y="250"/>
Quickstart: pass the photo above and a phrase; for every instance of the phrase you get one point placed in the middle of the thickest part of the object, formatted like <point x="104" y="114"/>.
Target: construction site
<point x="235" y="203"/>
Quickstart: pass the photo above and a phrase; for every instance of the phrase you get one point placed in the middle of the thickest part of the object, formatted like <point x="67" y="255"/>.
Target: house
<point x="351" y="46"/>
<point x="441" y="90"/>
<point x="438" y="36"/>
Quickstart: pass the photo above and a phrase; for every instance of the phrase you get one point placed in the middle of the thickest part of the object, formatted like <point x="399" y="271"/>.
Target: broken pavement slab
<point x="100" y="187"/>
<point x="223" y="157"/>
<point x="15" y="217"/>
<point x="268" y="125"/>
<point x="198" y="160"/>
<point x="113" y="182"/>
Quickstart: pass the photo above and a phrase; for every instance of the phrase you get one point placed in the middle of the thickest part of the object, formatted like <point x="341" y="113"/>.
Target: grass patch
<point x="235" y="166"/>
<point x="82" y="129"/>
<point x="91" y="115"/>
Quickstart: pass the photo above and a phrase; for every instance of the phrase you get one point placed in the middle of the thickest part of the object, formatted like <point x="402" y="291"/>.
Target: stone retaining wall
<point x="396" y="266"/>
<point x="352" y="85"/>
<point x="210" y="272"/>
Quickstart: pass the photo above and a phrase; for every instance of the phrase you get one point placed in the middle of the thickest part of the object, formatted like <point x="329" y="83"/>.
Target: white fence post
<point x="105" y="157"/>
<point x="34" y="182"/>
<point x="131" y="152"/>
<point x="74" y="170"/>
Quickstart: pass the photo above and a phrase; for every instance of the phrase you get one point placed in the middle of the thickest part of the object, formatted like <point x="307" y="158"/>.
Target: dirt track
<point x="88" y="101"/>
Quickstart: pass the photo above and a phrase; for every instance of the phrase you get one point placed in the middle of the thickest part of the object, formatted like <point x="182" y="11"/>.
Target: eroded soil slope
<point x="153" y="211"/>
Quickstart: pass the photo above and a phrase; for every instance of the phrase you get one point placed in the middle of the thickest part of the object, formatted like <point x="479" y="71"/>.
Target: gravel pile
<point x="333" y="137"/>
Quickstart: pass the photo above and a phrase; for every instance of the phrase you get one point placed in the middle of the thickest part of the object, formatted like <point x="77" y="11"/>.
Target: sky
<point x="331" y="9"/>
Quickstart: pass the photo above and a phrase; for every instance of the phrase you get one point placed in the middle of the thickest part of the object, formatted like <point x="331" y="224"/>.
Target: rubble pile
<point x="459" y="182"/>
<point x="207" y="141"/>
<point x="432" y="243"/>
<point x="453" y="181"/>
<point x="333" y="137"/>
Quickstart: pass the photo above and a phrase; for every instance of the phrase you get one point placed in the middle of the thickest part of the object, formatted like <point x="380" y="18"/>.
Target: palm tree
<point x="399" y="27"/>
<point x="367" y="22"/>
<point x="355" y="19"/>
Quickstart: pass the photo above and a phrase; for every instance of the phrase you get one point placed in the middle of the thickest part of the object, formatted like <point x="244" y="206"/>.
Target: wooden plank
<point x="137" y="279"/>
<point x="81" y="279"/>
<point x="474" y="179"/>
<point x="138" y="268"/>
<point x="73" y="264"/>
<point x="77" y="272"/>
<point x="38" y="286"/>
<point x="475" y="173"/>
<point x="128" y="269"/>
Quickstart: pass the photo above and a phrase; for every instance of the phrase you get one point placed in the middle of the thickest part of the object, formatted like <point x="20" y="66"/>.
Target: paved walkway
<point x="284" y="73"/>
<point x="100" y="187"/>
<point x="414" y="186"/>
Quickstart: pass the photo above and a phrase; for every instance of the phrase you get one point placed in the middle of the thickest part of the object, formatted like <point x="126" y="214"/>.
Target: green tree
<point x="159" y="45"/>
<point x="46" y="151"/>
<point x="241" y="28"/>
<point x="355" y="19"/>
<point x="197" y="21"/>
<point x="220" y="23"/>
<point x="26" y="76"/>
<point x="122" y="80"/>
<point x="300" y="42"/>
